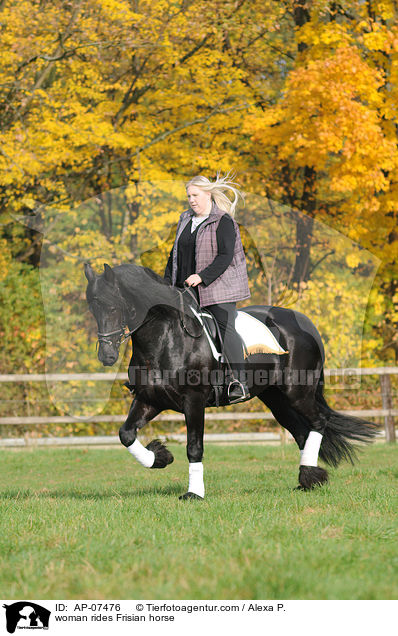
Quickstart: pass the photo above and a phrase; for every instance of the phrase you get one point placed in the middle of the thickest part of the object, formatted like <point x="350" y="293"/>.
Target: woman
<point x="208" y="255"/>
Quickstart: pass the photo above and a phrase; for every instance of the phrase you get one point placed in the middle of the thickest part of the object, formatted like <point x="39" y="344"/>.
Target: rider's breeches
<point x="225" y="314"/>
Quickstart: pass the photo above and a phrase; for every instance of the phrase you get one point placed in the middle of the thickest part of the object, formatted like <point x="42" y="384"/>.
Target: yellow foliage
<point x="101" y="94"/>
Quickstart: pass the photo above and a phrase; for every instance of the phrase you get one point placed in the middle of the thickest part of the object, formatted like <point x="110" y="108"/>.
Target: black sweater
<point x="186" y="264"/>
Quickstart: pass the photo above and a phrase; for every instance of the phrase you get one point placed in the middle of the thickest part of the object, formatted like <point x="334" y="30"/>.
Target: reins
<point x="183" y="325"/>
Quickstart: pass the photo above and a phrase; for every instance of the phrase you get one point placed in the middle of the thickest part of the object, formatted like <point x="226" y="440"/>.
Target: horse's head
<point x="109" y="309"/>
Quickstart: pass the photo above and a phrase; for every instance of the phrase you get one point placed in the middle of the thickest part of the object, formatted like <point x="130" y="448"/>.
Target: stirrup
<point x="240" y="398"/>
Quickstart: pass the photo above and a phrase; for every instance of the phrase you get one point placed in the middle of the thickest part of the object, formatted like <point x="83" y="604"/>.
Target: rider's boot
<point x="129" y="386"/>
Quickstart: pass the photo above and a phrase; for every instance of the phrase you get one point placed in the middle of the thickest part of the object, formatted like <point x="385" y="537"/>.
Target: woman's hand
<point x="193" y="280"/>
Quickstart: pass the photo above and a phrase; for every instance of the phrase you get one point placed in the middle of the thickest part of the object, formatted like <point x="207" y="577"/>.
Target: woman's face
<point x="199" y="200"/>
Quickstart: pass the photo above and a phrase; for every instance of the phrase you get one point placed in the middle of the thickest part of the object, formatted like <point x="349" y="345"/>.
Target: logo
<point x="26" y="615"/>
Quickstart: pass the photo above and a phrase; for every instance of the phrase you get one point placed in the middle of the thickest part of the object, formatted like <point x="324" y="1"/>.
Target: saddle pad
<point x="256" y="336"/>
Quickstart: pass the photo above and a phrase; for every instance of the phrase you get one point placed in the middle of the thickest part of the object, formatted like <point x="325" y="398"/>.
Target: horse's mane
<point x="141" y="289"/>
<point x="154" y="275"/>
<point x="136" y="275"/>
<point x="146" y="288"/>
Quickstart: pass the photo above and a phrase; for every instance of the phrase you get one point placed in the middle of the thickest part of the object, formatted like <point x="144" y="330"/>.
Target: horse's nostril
<point x="108" y="362"/>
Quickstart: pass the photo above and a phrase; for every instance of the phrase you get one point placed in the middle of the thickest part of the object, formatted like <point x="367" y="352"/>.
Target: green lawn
<point x="94" y="524"/>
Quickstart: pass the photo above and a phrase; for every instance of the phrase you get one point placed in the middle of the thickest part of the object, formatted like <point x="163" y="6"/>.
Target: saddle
<point x="219" y="393"/>
<point x="256" y="338"/>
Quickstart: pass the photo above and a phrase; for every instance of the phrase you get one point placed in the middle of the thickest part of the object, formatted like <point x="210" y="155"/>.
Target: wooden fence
<point x="387" y="411"/>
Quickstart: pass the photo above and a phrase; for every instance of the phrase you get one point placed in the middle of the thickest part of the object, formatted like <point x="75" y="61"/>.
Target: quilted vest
<point x="232" y="285"/>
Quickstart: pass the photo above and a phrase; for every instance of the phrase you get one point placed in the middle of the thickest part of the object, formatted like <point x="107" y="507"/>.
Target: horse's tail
<point x="341" y="430"/>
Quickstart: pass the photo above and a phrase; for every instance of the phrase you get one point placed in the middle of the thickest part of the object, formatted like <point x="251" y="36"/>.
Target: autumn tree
<point x="328" y="145"/>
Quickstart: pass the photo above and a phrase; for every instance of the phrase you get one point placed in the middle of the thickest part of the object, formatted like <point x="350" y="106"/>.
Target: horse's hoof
<point x="163" y="457"/>
<point x="312" y="476"/>
<point x="190" y="495"/>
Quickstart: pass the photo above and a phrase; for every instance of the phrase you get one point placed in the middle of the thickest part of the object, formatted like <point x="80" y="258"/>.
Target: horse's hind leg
<point x="302" y="400"/>
<point x="300" y="426"/>
<point x="155" y="455"/>
<point x="285" y="415"/>
<point x="194" y="412"/>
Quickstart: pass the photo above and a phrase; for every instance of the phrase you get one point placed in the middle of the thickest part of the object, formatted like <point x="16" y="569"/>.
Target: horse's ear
<point x="109" y="273"/>
<point x="89" y="272"/>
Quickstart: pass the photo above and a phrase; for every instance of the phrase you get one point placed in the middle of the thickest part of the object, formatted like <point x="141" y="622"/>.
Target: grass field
<point x="94" y="524"/>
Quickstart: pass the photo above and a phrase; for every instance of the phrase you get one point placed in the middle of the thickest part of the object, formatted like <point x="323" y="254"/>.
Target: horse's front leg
<point x="194" y="411"/>
<point x="155" y="455"/>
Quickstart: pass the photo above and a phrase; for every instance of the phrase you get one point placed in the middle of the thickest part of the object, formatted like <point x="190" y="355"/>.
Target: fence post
<point x="386" y="398"/>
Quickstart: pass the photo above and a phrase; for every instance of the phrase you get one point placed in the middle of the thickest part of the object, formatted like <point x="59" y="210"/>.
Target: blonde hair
<point x="217" y="188"/>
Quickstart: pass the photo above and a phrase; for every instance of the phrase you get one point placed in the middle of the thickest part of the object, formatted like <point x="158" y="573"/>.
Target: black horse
<point x="172" y="367"/>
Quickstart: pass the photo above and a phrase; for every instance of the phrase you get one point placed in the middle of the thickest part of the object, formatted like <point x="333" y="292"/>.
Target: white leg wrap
<point x="141" y="454"/>
<point x="309" y="456"/>
<point x="196" y="483"/>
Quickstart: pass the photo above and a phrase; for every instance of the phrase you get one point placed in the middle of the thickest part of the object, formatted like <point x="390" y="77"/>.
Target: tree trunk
<point x="304" y="224"/>
<point x="304" y="228"/>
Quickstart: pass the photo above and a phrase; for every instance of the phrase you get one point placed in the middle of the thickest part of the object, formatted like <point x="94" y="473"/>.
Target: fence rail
<point x="111" y="377"/>
<point x="387" y="411"/>
<point x="267" y="437"/>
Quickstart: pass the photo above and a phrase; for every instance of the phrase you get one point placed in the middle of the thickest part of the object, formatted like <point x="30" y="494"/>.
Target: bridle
<point x="123" y="336"/>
